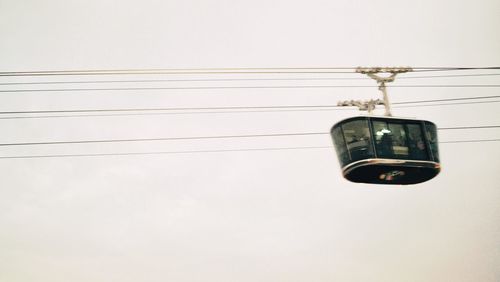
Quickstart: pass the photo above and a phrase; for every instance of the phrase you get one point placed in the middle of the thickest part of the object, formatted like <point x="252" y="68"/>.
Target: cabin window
<point x="431" y="132"/>
<point x="418" y="147"/>
<point x="399" y="140"/>
<point x="391" y="140"/>
<point x="340" y="146"/>
<point x="357" y="138"/>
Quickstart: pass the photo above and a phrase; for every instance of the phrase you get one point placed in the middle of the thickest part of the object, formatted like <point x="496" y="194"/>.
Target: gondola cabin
<point x="386" y="150"/>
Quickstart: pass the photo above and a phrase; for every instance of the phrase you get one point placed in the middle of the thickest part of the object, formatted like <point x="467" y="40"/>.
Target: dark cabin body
<point x="386" y="150"/>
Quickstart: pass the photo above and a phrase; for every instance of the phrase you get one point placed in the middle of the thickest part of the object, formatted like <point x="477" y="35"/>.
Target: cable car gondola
<point x="384" y="149"/>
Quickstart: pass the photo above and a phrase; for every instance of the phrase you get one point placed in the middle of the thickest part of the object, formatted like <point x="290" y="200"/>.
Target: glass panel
<point x="391" y="140"/>
<point x="357" y="137"/>
<point x="399" y="143"/>
<point x="340" y="146"/>
<point x="383" y="139"/>
<point x="418" y="150"/>
<point x="433" y="140"/>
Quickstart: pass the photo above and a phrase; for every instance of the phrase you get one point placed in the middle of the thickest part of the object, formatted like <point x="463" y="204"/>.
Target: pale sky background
<point x="242" y="216"/>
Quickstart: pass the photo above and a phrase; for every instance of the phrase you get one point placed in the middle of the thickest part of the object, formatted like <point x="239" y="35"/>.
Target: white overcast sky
<point x="242" y="216"/>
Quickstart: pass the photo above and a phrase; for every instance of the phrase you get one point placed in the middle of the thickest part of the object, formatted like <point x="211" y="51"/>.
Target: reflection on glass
<point x="431" y="132"/>
<point x="399" y="145"/>
<point x="418" y="150"/>
<point x="383" y="139"/>
<point x="340" y="146"/>
<point x="391" y="140"/>
<point x="357" y="138"/>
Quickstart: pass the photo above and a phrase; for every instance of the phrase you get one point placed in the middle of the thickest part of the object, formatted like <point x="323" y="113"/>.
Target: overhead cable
<point x="470" y="141"/>
<point x="164" y="152"/>
<point x="218" y="110"/>
<point x="334" y="108"/>
<point x="205" y="151"/>
<point x="247" y="87"/>
<point x="183" y="80"/>
<point x="447" y="100"/>
<point x="448" y="76"/>
<point x="161" y="139"/>
<point x="469" y="127"/>
<point x="233" y="79"/>
<point x="431" y="69"/>
<point x="199" y="137"/>
<point x="443" y="104"/>
<point x="279" y="70"/>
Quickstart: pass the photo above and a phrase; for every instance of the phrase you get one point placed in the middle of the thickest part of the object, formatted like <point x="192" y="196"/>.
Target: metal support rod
<point x="373" y="73"/>
<point x="386" y="99"/>
<point x="381" y="82"/>
<point x="362" y="105"/>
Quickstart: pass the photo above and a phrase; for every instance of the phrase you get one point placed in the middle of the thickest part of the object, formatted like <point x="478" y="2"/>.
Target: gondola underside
<point x="387" y="171"/>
